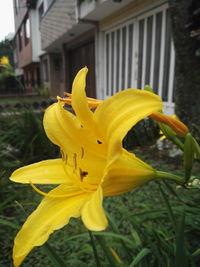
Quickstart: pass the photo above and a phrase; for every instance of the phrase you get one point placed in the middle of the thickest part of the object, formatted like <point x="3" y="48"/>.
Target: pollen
<point x="82" y="174"/>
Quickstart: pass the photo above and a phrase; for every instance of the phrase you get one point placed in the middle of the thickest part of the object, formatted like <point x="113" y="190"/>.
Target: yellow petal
<point x="92" y="213"/>
<point x="118" y="114"/>
<point x="51" y="214"/>
<point x="44" y="172"/>
<point x="79" y="100"/>
<point x="61" y="126"/>
<point x="79" y="145"/>
<point x="124" y="173"/>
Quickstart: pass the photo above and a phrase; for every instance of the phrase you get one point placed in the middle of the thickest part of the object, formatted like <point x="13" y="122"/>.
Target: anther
<point x="99" y="142"/>
<point x="82" y="174"/>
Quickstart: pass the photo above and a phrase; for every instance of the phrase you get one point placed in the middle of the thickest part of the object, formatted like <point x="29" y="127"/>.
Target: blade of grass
<point x="56" y="260"/>
<point x="106" y="250"/>
<point x="114" y="236"/>
<point x="196" y="253"/>
<point x="181" y="258"/>
<point x="116" y="230"/>
<point x="169" y="209"/>
<point x="10" y="224"/>
<point x="172" y="191"/>
<point x="140" y="256"/>
<point x="96" y="257"/>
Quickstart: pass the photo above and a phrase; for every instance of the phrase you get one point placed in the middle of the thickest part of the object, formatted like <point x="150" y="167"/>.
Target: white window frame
<point x="101" y="57"/>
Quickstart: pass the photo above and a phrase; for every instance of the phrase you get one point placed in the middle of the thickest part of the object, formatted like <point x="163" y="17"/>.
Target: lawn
<point x="23" y="99"/>
<point x="157" y="224"/>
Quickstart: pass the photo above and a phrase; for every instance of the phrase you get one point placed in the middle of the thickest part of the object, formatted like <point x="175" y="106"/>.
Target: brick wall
<point x="57" y="21"/>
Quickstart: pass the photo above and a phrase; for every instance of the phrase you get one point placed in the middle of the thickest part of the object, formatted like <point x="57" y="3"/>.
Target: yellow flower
<point x="4" y="61"/>
<point x="93" y="164"/>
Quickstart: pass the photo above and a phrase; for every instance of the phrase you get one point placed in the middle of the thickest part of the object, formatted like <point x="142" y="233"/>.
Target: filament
<point x="53" y="195"/>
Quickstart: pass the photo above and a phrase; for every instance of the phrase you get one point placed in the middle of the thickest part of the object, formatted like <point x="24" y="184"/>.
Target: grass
<point x="155" y="225"/>
<point x="23" y="99"/>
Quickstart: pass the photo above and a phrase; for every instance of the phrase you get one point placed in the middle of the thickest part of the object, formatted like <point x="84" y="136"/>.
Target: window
<point x="41" y="11"/>
<point x="27" y="30"/>
<point x="45" y="70"/>
<point x="20" y="37"/>
<point x="140" y="52"/>
<point x="16" y="6"/>
<point x="49" y="2"/>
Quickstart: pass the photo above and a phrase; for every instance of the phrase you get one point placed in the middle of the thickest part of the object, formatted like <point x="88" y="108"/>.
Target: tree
<point x="6" y="49"/>
<point x="185" y="17"/>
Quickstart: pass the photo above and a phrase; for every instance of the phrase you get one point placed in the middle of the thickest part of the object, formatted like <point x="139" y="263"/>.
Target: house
<point x="124" y="43"/>
<point x="27" y="44"/>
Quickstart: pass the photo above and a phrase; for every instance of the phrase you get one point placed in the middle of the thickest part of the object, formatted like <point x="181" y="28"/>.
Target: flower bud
<point x="148" y="88"/>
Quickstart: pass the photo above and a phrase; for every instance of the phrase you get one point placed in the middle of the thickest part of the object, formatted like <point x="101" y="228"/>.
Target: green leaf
<point x="169" y="209"/>
<point x="56" y="260"/>
<point x="136" y="237"/>
<point x="115" y="236"/>
<point x="10" y="224"/>
<point x="196" y="253"/>
<point x="180" y="252"/>
<point x="116" y="230"/>
<point x="96" y="257"/>
<point x="106" y="250"/>
<point x="140" y="256"/>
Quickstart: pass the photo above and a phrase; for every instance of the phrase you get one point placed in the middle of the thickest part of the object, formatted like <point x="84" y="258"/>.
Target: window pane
<point x="140" y="52"/>
<point x="130" y="53"/>
<point x="107" y="64"/>
<point x="157" y="51"/>
<point x="148" y="49"/>
<point x="27" y="25"/>
<point x="166" y="58"/>
<point x="123" y="57"/>
<point x="117" y="60"/>
<point x="112" y="57"/>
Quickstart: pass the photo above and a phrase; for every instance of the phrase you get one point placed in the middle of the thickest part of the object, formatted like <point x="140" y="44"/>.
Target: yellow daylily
<point x="4" y="61"/>
<point x="93" y="164"/>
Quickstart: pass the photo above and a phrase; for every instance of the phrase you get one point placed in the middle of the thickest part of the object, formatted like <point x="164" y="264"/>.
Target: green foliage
<point x="42" y="91"/>
<point x="156" y="225"/>
<point x="22" y="137"/>
<point x="6" y="49"/>
<point x="142" y="134"/>
<point x="8" y="81"/>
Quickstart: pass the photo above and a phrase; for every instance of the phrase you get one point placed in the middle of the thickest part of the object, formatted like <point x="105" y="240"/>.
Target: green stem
<point x="177" y="142"/>
<point x="94" y="250"/>
<point x="169" y="176"/>
<point x="106" y="251"/>
<point x="54" y="257"/>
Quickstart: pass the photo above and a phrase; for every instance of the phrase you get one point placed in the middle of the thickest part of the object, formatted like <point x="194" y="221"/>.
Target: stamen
<point x="92" y="102"/>
<point x="82" y="152"/>
<point x="75" y="162"/>
<point x="63" y="155"/>
<point x="66" y="158"/>
<point x="82" y="174"/>
<point x="51" y="195"/>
